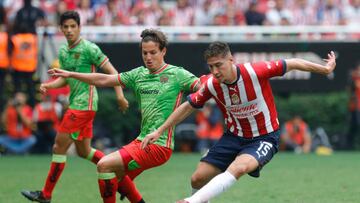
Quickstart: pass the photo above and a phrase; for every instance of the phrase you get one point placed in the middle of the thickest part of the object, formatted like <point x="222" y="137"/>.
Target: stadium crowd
<point x="198" y="12"/>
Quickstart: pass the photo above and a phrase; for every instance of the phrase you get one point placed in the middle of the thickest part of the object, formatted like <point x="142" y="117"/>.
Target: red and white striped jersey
<point x="248" y="104"/>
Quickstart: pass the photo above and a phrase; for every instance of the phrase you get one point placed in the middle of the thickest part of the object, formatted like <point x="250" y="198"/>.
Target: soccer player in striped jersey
<point x="243" y="93"/>
<point x="82" y="56"/>
<point x="158" y="88"/>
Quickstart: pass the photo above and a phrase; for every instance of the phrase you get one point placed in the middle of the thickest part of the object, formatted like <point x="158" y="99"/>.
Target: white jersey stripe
<point x="262" y="105"/>
<point x="244" y="99"/>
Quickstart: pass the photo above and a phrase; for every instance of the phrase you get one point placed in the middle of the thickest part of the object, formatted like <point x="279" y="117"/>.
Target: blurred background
<point x="318" y="113"/>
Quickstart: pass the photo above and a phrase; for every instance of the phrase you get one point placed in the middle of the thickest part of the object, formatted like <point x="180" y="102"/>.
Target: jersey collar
<point x="75" y="43"/>
<point x="160" y="69"/>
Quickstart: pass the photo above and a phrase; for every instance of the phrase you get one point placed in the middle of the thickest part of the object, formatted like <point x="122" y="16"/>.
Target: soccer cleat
<point x="35" y="196"/>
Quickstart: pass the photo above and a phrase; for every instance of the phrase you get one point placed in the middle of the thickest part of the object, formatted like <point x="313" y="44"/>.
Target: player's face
<point x="222" y="68"/>
<point x="71" y="30"/>
<point x="153" y="57"/>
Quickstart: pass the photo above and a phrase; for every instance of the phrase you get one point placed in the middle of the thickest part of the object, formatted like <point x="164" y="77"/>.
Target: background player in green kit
<point x="158" y="87"/>
<point x="78" y="55"/>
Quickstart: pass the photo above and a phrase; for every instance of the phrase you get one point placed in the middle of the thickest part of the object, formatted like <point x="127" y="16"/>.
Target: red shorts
<point x="78" y="124"/>
<point x="136" y="160"/>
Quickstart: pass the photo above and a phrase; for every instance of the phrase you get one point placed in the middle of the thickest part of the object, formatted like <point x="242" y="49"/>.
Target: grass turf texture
<point x="288" y="178"/>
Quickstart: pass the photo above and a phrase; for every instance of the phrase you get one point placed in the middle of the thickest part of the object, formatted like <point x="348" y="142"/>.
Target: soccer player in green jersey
<point x="158" y="87"/>
<point x="81" y="56"/>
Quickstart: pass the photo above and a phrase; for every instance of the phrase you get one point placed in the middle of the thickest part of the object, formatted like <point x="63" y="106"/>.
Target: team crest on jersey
<point x="235" y="99"/>
<point x="164" y="79"/>
<point x="76" y="55"/>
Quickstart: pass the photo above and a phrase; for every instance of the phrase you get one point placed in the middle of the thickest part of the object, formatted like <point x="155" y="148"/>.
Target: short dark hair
<point x="69" y="15"/>
<point x="217" y="49"/>
<point x="154" y="36"/>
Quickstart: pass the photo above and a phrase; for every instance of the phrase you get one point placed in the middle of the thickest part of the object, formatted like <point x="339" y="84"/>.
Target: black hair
<point x="154" y="36"/>
<point x="69" y="15"/>
<point x="217" y="49"/>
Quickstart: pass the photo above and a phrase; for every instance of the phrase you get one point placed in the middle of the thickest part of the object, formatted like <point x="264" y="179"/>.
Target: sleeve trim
<point x="188" y="98"/>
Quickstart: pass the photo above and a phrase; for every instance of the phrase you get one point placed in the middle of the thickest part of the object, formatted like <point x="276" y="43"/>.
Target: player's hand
<point x="150" y="138"/>
<point x="59" y="73"/>
<point x="330" y="61"/>
<point x="123" y="104"/>
<point x="43" y="88"/>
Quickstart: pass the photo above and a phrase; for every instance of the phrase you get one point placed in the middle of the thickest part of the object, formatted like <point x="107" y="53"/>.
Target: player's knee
<point x="82" y="153"/>
<point x="239" y="170"/>
<point x="104" y="166"/>
<point x="197" y="181"/>
<point x="58" y="149"/>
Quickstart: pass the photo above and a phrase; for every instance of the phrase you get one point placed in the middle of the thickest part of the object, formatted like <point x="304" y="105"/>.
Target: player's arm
<point x="183" y="111"/>
<point x="59" y="82"/>
<point x="97" y="79"/>
<point x="122" y="102"/>
<point x="304" y="65"/>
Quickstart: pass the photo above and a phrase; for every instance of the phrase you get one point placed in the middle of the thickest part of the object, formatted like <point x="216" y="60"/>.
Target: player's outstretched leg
<point x="127" y="188"/>
<point x="35" y="196"/>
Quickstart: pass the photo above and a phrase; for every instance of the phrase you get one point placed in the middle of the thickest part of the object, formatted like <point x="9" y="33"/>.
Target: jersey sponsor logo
<point x="263" y="149"/>
<point x="164" y="79"/>
<point x="149" y="91"/>
<point x="244" y="110"/>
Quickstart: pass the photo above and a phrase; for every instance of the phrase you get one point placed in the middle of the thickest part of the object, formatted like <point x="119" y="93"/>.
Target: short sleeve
<point x="96" y="56"/>
<point x="187" y="80"/>
<point x="199" y="98"/>
<point x="127" y="79"/>
<point x="269" y="69"/>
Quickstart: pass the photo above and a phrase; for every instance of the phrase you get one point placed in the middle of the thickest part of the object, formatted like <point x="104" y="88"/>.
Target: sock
<point x="215" y="187"/>
<point x="127" y="187"/>
<point x="95" y="155"/>
<point x="107" y="186"/>
<point x="56" y="169"/>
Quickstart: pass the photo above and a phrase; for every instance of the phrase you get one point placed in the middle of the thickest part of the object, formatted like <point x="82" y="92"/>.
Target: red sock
<point x="108" y="187"/>
<point x="127" y="187"/>
<point x="56" y="169"/>
<point x="97" y="156"/>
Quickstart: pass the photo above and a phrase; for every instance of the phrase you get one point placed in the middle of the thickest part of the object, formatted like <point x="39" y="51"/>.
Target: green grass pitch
<point x="288" y="178"/>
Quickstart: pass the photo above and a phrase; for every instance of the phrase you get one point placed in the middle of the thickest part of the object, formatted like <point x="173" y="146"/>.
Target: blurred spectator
<point x="209" y="127"/>
<point x="24" y="53"/>
<point x="352" y="13"/>
<point x="204" y="13"/>
<point x="61" y="7"/>
<point x="253" y="16"/>
<point x="112" y="13"/>
<point x="4" y="62"/>
<point x="182" y="14"/>
<point x="329" y="13"/>
<point x="29" y="16"/>
<point x="87" y="14"/>
<point x="147" y="15"/>
<point x="296" y="136"/>
<point x="234" y="16"/>
<point x="46" y="117"/>
<point x="303" y="13"/>
<point x="17" y="119"/>
<point x="11" y="8"/>
<point x="354" y="108"/>
<point x="279" y="14"/>
<point x="164" y="20"/>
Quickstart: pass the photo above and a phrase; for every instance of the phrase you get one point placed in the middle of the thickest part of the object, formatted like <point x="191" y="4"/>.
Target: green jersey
<point x="83" y="57"/>
<point x="158" y="94"/>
